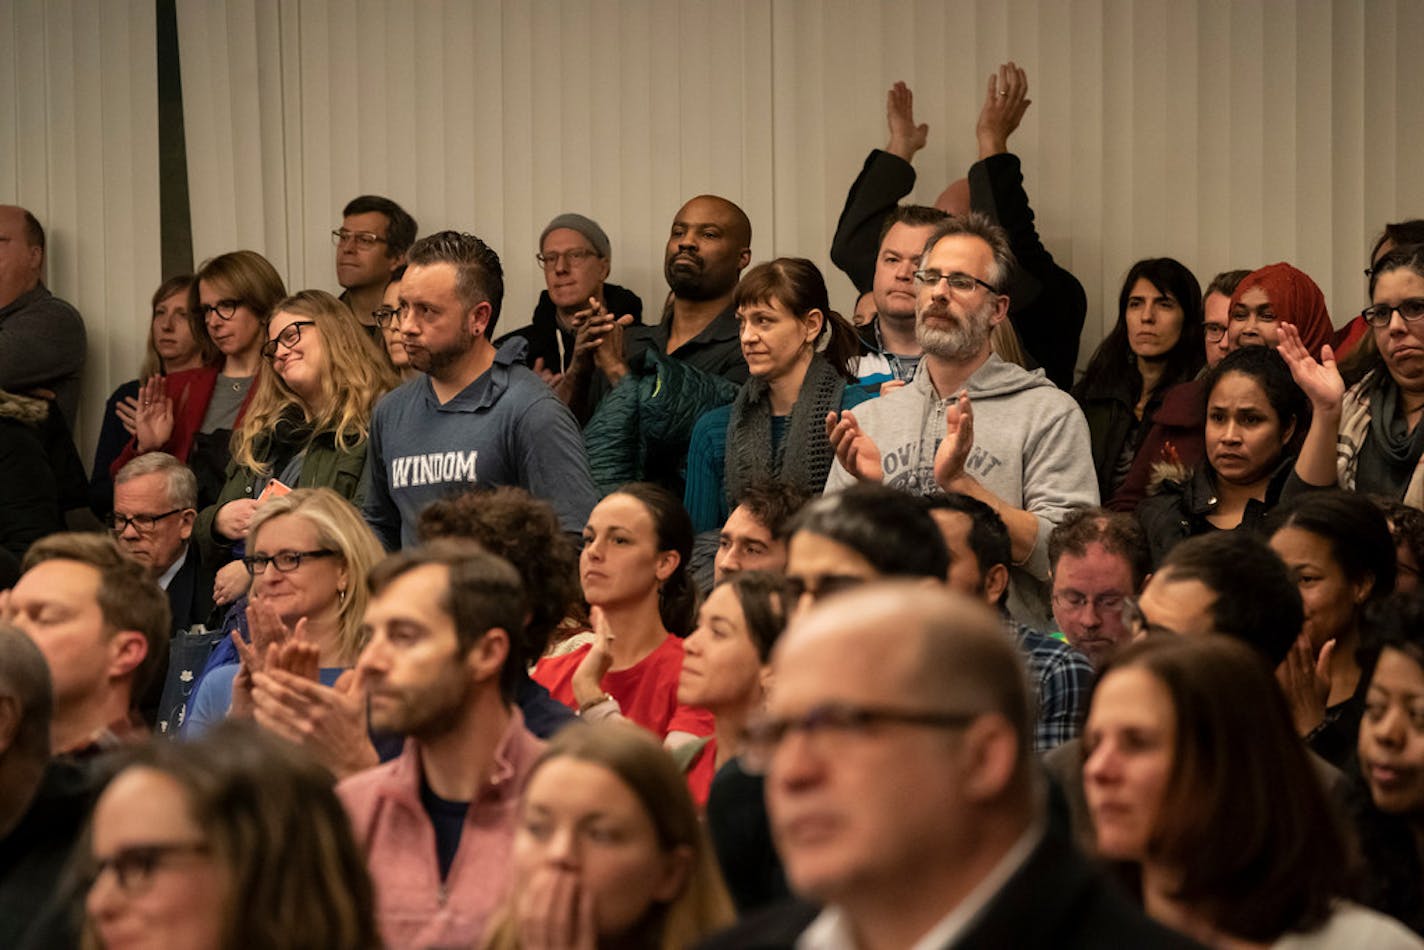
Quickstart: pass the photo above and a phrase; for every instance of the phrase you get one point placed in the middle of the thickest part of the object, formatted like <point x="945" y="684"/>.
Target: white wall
<point x="79" y="148"/>
<point x="1228" y="134"/>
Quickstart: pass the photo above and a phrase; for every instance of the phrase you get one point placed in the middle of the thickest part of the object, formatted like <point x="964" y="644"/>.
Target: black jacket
<point x="1056" y="900"/>
<point x="1047" y="304"/>
<point x="1179" y="508"/>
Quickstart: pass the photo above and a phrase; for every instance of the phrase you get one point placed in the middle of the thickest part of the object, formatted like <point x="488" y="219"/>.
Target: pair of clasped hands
<point x="594" y="326"/>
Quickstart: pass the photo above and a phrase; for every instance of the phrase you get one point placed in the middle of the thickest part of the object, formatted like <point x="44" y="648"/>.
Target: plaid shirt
<point x="1062" y="680"/>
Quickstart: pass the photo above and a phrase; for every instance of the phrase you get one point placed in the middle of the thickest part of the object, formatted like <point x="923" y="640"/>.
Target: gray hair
<point x="182" y="484"/>
<point x="980" y="225"/>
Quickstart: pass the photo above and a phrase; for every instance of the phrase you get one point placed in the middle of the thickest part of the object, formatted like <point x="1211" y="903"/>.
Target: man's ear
<point x="487" y="657"/>
<point x="996" y="581"/>
<point x="744" y="259"/>
<point x="479" y="317"/>
<point x="185" y="523"/>
<point x="127" y="650"/>
<point x="993" y="755"/>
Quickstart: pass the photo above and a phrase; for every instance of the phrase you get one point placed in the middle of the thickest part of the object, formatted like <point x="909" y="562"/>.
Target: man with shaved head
<point x="903" y="793"/>
<point x="41" y="336"/>
<point x="708" y="247"/>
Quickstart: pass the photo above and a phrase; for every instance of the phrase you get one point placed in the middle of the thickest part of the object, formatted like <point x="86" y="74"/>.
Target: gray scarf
<point x="804" y="457"/>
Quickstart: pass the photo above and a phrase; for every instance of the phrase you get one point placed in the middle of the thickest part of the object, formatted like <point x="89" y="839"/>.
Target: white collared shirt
<point x="831" y="930"/>
<point x="167" y="577"/>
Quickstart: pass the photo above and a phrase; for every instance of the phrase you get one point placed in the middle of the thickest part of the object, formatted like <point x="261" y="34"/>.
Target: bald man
<point x="708" y="247"/>
<point x="41" y="336"/>
<point x="903" y="793"/>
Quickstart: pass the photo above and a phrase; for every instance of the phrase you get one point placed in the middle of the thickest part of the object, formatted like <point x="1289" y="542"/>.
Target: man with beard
<point x="970" y="422"/>
<point x="708" y="247"/>
<point x="478" y="416"/>
<point x="437" y="823"/>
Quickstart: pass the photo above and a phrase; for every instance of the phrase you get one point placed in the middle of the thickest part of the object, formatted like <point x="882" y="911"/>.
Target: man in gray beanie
<point x="576" y="255"/>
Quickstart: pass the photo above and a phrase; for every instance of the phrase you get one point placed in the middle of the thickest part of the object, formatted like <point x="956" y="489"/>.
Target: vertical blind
<point x="78" y="96"/>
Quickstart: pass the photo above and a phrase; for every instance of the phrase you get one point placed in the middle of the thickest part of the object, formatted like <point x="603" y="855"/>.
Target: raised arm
<point x="1323" y="386"/>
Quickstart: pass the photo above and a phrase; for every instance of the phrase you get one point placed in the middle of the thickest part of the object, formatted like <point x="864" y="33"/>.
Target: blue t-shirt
<point x="505" y="428"/>
<point x="210" y="703"/>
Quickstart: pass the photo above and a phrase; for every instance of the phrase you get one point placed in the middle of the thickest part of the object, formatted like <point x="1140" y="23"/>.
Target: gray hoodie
<point x="1031" y="449"/>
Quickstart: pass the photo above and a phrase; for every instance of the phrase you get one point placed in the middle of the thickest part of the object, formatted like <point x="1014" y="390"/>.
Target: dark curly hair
<point x="512" y="524"/>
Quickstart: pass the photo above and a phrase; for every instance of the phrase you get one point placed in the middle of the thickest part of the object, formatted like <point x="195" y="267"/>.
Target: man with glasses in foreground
<point x="903" y="793"/>
<point x="969" y="422"/>
<point x="374" y="235"/>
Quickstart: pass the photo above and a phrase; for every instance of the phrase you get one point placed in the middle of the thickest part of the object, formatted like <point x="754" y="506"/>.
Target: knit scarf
<point x="1356" y="424"/>
<point x="804" y="456"/>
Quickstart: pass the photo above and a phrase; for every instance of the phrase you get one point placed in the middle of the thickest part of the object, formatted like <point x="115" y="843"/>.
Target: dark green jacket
<point x="640" y="431"/>
<point x="324" y="466"/>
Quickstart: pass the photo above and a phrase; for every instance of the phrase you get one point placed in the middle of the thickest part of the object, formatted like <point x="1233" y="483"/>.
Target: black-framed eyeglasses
<point x="284" y="561"/>
<point x="225" y="309"/>
<point x="1214" y="331"/>
<point x="143" y="523"/>
<point x="133" y="866"/>
<point x="1138" y="624"/>
<point x="1381" y="313"/>
<point x="763" y="736"/>
<point x="290" y="336"/>
<point x="819" y="586"/>
<point x="959" y="282"/>
<point x="385" y="317"/>
<point x="575" y="257"/>
<point x="363" y="239"/>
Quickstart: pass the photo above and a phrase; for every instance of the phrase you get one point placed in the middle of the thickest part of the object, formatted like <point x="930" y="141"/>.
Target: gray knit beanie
<point x="586" y="226"/>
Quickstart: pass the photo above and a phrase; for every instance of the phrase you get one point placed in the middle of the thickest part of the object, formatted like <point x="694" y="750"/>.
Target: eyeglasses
<point x="959" y="282"/>
<point x="284" y="561"/>
<point x="365" y="240"/>
<point x="386" y="316"/>
<point x="134" y="865"/>
<point x="1214" y="331"/>
<point x="1381" y="313"/>
<point x="223" y="308"/>
<point x="290" y="336"/>
<point x="821" y="586"/>
<point x="1136" y="622"/>
<point x="142" y="523"/>
<point x="1102" y="604"/>
<point x="821" y="723"/>
<point x="575" y="257"/>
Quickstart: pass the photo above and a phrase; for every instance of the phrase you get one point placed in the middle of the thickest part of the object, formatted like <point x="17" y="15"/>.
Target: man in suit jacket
<point x="903" y="793"/>
<point x="155" y="499"/>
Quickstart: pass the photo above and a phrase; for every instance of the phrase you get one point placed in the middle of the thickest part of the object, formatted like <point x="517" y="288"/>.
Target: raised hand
<point x="555" y="912"/>
<point x="1305" y="679"/>
<point x="327" y="721"/>
<point x="958" y="440"/>
<point x="1320" y="380"/>
<point x="856" y="451"/>
<point x="588" y="678"/>
<point x="127" y="411"/>
<point x="153" y="418"/>
<point x="269" y="631"/>
<point x="1003" y="109"/>
<point x="906" y="138"/>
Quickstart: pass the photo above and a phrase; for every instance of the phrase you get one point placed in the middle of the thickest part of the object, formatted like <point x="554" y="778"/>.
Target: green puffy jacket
<point x="641" y="430"/>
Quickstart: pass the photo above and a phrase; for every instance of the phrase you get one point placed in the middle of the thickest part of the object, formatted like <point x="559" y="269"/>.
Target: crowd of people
<point x="733" y="623"/>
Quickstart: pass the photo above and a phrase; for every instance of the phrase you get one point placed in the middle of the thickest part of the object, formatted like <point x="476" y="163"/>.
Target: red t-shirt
<point x="646" y="691"/>
<point x="701" y="772"/>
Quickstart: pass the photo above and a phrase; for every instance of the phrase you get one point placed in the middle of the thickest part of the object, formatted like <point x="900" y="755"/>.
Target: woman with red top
<point x="633" y="569"/>
<point x="191" y="414"/>
<point x="725" y="666"/>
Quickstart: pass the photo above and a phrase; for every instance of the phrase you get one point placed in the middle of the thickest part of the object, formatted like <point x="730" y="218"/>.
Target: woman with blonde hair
<point x="309" y="553"/>
<point x="608" y="850"/>
<point x="305" y="425"/>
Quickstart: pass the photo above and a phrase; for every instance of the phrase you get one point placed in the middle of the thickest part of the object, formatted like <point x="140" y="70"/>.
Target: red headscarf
<point x="1296" y="300"/>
